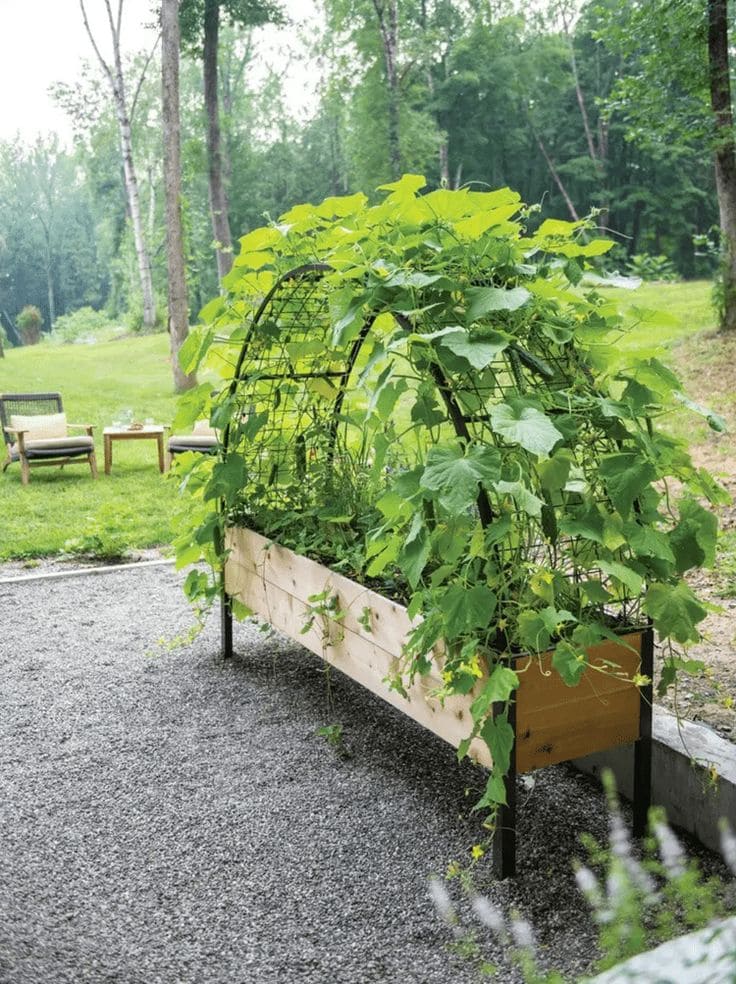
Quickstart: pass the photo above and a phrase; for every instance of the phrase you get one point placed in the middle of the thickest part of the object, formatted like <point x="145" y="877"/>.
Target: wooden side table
<point x="150" y="432"/>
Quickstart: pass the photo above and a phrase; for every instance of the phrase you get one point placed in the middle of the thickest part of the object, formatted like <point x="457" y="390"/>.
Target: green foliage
<point x="640" y="904"/>
<point x="636" y="903"/>
<point x="491" y="456"/>
<point x="85" y="323"/>
<point x="30" y="323"/>
<point x="650" y="267"/>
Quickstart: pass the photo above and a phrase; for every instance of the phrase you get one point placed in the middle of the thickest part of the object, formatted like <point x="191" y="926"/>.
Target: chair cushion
<point x="199" y="442"/>
<point x="55" y="447"/>
<point x="203" y="428"/>
<point x="39" y="426"/>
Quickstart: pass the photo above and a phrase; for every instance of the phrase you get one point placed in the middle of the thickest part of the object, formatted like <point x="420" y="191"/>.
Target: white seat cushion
<point x="202" y="428"/>
<point x="194" y="440"/>
<point x="52" y="443"/>
<point x="39" y="426"/>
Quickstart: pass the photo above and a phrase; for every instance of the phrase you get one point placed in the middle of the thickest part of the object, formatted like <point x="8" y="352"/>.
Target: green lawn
<point x="689" y="302"/>
<point x="134" y="507"/>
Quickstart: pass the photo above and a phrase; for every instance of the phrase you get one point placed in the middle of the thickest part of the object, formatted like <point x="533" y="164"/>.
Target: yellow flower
<point x="477" y="852"/>
<point x="639" y="680"/>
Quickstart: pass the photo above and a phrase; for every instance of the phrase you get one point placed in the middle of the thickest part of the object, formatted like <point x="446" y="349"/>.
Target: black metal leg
<point x="226" y="626"/>
<point x="642" y="793"/>
<point x="504" y="838"/>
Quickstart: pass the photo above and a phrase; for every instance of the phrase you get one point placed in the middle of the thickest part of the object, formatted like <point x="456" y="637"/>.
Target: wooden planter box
<point x="553" y="722"/>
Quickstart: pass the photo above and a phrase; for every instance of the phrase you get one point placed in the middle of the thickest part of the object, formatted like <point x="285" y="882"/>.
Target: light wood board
<point x="554" y="722"/>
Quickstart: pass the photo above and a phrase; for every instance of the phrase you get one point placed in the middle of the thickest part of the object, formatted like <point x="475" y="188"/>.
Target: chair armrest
<point x="20" y="438"/>
<point x="87" y="427"/>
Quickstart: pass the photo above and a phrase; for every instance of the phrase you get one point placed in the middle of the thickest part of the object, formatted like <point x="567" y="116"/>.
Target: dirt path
<point x="706" y="363"/>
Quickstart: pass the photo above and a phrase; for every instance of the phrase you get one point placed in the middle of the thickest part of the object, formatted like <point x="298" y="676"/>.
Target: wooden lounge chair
<point x="202" y="440"/>
<point x="36" y="433"/>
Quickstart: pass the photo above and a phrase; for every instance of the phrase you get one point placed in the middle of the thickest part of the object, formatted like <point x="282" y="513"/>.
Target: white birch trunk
<point x="115" y="78"/>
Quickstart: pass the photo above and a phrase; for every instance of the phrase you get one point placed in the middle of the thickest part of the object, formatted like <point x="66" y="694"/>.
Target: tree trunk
<point x="218" y="197"/>
<point x="50" y="288"/>
<point x="115" y="78"/>
<point x="725" y="152"/>
<point x="556" y="177"/>
<point x="177" y="286"/>
<point x="388" y="23"/>
<point x="131" y="188"/>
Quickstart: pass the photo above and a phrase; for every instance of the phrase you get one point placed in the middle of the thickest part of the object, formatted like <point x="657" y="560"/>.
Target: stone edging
<point x="693" y="775"/>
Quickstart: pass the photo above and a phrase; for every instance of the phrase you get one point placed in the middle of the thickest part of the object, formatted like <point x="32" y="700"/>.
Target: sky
<point x="44" y="41"/>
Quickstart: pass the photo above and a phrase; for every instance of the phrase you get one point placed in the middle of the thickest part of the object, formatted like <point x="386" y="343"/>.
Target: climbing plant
<point x="426" y="394"/>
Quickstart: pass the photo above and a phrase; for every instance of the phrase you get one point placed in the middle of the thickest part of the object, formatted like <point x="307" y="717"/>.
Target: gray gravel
<point x="167" y="817"/>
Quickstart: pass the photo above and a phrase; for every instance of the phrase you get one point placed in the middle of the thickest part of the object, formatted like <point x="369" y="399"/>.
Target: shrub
<point x="81" y="324"/>
<point x="30" y="322"/>
<point x="651" y="267"/>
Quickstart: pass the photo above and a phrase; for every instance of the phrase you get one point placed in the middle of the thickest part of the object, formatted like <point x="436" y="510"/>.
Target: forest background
<point x="463" y="91"/>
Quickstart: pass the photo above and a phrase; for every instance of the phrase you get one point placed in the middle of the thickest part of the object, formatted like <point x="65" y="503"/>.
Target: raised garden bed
<point x="422" y="392"/>
<point x="552" y="722"/>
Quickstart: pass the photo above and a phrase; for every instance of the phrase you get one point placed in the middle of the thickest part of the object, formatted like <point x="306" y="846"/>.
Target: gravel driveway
<point x="167" y="817"/>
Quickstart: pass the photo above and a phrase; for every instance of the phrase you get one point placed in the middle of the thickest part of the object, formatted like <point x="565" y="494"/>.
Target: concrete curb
<point x="693" y="775"/>
<point x="82" y="571"/>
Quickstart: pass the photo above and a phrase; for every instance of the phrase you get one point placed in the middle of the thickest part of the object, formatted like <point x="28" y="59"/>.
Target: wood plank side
<point x="361" y="659"/>
<point x="555" y="723"/>
<point x="389" y="622"/>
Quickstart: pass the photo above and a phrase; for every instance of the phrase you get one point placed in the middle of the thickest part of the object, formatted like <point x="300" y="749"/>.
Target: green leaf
<point x="533" y="633"/>
<point x="346" y="315"/>
<point x="467" y="609"/>
<point x="587" y="522"/>
<point x="194" y="348"/>
<point x="498" y="688"/>
<point x="498" y="734"/>
<point x="595" y="248"/>
<point x="523" y="497"/>
<point x="554" y="472"/>
<point x="675" y="611"/>
<point x="520" y="423"/>
<point x="426" y="410"/>
<point x="456" y="476"/>
<point x="558" y="227"/>
<point x="341" y="205"/>
<point x="478" y="348"/>
<point x="630" y="579"/>
<point x="474" y="226"/>
<point x="260" y="238"/>
<point x="415" y="551"/>
<point x="693" y="540"/>
<point x="408" y="184"/>
<point x="647" y="542"/>
<point x="494" y="794"/>
<point x="560" y="334"/>
<point x="626" y="475"/>
<point x="228" y="478"/>
<point x="484" y="300"/>
<point x="569" y="661"/>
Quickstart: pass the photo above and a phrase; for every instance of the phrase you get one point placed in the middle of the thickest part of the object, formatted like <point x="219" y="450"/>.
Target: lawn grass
<point x="688" y="301"/>
<point x="135" y="507"/>
<point x="67" y="510"/>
